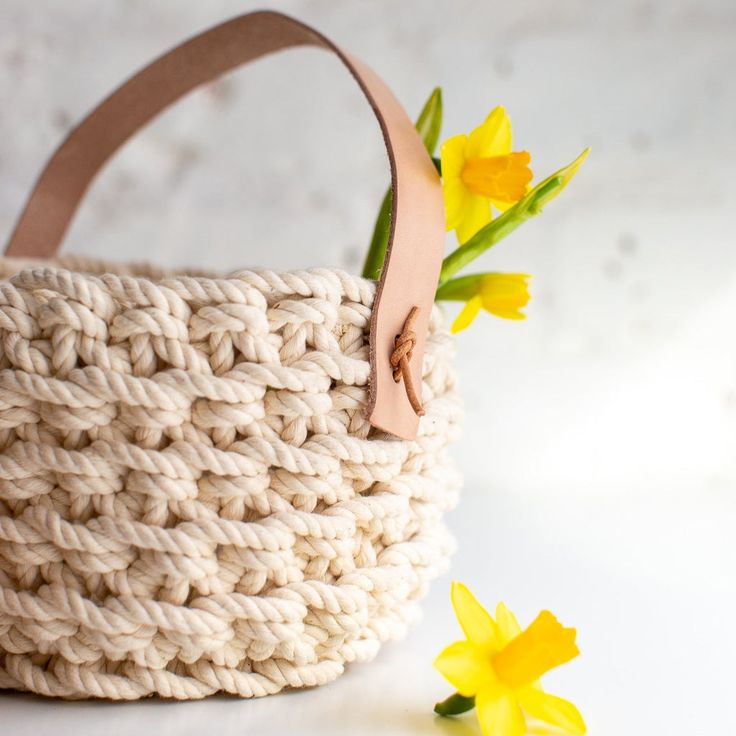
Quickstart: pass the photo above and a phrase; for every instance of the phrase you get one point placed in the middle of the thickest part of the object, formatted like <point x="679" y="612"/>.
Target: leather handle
<point x="416" y="242"/>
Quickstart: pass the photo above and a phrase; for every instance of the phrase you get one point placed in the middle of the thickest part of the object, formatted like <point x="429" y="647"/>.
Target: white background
<point x="598" y="449"/>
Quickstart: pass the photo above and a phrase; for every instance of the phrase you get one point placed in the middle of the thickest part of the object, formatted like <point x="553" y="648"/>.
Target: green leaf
<point x="373" y="264"/>
<point x="429" y="124"/>
<point x="454" y="705"/>
<point x="507" y="222"/>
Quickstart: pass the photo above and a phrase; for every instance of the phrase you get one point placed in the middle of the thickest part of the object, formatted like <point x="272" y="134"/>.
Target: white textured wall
<point x="625" y="361"/>
<point x="604" y="425"/>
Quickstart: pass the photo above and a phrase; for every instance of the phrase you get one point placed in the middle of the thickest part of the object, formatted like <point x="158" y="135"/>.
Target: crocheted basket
<point x="217" y="484"/>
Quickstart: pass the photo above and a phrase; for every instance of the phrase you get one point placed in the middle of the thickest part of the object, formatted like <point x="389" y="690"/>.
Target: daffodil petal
<point x="452" y="155"/>
<point x="492" y="137"/>
<point x="552" y="710"/>
<point x="476" y="215"/>
<point x="476" y="622"/>
<point x="465" y="667"/>
<point x="456" y="195"/>
<point x="457" y="202"/>
<point x="513" y="314"/>
<point x="467" y="314"/>
<point x="507" y="624"/>
<point x="499" y="713"/>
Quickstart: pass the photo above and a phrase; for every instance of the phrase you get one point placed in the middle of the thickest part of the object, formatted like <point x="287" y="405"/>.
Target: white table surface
<point x="599" y="436"/>
<point x="654" y="623"/>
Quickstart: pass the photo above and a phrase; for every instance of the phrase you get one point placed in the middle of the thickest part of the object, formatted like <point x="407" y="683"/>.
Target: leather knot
<point x="400" y="357"/>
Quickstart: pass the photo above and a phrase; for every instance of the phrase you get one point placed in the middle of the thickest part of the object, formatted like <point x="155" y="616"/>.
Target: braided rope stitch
<point x="191" y="500"/>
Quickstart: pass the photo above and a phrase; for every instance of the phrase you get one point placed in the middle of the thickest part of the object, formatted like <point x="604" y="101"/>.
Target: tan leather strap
<point x="411" y="270"/>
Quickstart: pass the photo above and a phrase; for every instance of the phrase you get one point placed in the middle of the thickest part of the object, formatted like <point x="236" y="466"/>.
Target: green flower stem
<point x="428" y="125"/>
<point x="460" y="289"/>
<point x="497" y="229"/>
<point x="506" y="223"/>
<point x="454" y="705"/>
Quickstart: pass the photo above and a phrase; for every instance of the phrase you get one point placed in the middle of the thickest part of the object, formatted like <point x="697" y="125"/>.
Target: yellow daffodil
<point x="480" y="170"/>
<point x="502" y="294"/>
<point x="499" y="665"/>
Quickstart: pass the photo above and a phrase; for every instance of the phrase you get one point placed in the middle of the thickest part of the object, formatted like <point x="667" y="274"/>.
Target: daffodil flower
<point x="502" y="294"/>
<point x="499" y="665"/>
<point x="480" y="170"/>
<point x="529" y="206"/>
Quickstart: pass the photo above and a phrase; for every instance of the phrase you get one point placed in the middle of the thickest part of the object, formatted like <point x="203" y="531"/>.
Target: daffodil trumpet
<point x="496" y="230"/>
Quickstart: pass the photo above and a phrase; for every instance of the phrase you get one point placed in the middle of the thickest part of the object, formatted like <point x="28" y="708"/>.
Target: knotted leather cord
<point x="403" y="349"/>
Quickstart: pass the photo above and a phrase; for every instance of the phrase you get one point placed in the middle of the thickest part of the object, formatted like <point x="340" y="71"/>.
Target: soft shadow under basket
<point x="217" y="484"/>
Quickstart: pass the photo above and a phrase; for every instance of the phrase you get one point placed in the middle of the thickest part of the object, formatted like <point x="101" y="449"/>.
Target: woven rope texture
<point x="191" y="500"/>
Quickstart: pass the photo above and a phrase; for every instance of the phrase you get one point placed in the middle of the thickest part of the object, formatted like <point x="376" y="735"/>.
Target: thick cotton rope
<point x="191" y="500"/>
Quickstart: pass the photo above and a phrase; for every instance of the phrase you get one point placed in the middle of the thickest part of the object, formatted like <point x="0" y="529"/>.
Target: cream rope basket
<point x="217" y="484"/>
